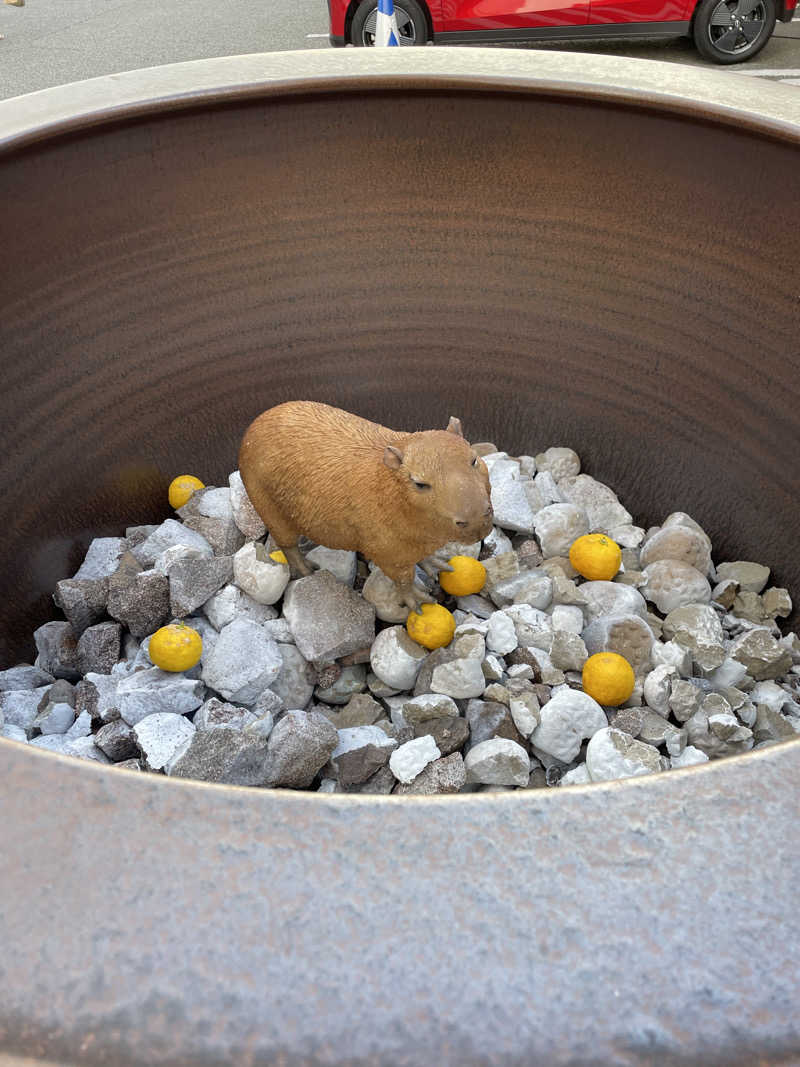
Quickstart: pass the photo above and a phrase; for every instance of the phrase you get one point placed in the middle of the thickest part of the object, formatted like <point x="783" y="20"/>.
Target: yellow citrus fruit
<point x="467" y="576"/>
<point x="278" y="556"/>
<point x="596" y="557"/>
<point x="433" y="628"/>
<point x="176" y="647"/>
<point x="181" y="488"/>
<point x="608" y="678"/>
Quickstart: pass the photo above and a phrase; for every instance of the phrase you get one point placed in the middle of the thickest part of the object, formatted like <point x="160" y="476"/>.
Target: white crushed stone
<point x="557" y="526"/>
<point x="520" y="670"/>
<point x="577" y="776"/>
<point x="680" y="543"/>
<point x="559" y="461"/>
<point x="568" y="651"/>
<point x="352" y="738"/>
<point x="395" y="658"/>
<point x="497" y="542"/>
<point x="214" y="503"/>
<point x="512" y="509"/>
<point x="627" y="536"/>
<point x="493" y="668"/>
<point x="262" y="578"/>
<point x="501" y="637"/>
<point x="528" y="622"/>
<point x="55" y="719"/>
<point x="611" y="598"/>
<point x="475" y="605"/>
<point x="20" y="707"/>
<point x="547" y="490"/>
<point x="566" y="720"/>
<point x="525" y="712"/>
<point x="770" y="694"/>
<point x="729" y="673"/>
<point x="102" y="557"/>
<point x="750" y="577"/>
<point x="245" y="515"/>
<point x="163" y="738"/>
<point x="409" y="759"/>
<point x="244" y="661"/>
<point x="714" y="674"/>
<point x="657" y="688"/>
<point x="460" y="679"/>
<point x="671" y="654"/>
<point x="230" y="602"/>
<point x="535" y="590"/>
<point x="671" y="583"/>
<point x="627" y="635"/>
<point x="697" y="624"/>
<point x="761" y="654"/>
<point x="523" y="587"/>
<point x="613" y="754"/>
<point x="295" y="681"/>
<point x="469" y="646"/>
<point x="169" y="533"/>
<point x="598" y="502"/>
<point x="170" y="556"/>
<point x="498" y="761"/>
<point x="396" y="705"/>
<point x="13" y="733"/>
<point x="155" y="691"/>
<point x="341" y="564"/>
<point x="569" y="617"/>
<point x="429" y="706"/>
<point x="689" y="757"/>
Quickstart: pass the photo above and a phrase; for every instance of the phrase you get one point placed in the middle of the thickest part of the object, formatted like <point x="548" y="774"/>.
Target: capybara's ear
<point x="392" y="457"/>
<point x="454" y="426"/>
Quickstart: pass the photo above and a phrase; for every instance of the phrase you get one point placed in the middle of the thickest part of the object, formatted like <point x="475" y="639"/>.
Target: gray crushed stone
<point x="308" y="684"/>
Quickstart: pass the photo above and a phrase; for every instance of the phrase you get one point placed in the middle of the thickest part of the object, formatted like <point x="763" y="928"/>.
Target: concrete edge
<point x="729" y="766"/>
<point x="702" y="94"/>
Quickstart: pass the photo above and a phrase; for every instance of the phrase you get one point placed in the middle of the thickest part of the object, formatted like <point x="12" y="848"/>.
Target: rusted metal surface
<point x="567" y="255"/>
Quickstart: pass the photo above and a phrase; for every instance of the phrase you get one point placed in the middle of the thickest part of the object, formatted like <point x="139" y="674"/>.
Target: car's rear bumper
<point x="336" y="42"/>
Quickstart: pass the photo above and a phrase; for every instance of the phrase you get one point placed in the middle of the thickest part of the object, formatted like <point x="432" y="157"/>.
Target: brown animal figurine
<point x="348" y="483"/>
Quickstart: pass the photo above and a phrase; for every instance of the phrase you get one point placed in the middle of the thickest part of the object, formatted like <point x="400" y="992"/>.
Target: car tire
<point x="732" y="31"/>
<point x="411" y="23"/>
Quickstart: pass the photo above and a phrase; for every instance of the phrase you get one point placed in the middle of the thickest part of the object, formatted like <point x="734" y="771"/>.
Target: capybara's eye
<point x="420" y="485"/>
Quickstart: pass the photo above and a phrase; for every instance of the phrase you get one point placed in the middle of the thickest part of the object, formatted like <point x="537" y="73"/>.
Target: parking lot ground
<point x="51" y="42"/>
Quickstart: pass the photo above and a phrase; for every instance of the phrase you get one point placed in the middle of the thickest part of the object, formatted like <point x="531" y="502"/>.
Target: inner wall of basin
<point x="551" y="272"/>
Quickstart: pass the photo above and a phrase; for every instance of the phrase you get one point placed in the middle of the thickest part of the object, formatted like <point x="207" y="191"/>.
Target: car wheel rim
<point x="736" y="25"/>
<point x="405" y="27"/>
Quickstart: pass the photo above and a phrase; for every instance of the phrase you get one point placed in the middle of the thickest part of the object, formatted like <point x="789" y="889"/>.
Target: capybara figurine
<point x="348" y="483"/>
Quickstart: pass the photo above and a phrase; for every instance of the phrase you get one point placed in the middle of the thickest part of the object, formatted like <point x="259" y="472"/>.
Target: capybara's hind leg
<point x="297" y="560"/>
<point x="283" y="533"/>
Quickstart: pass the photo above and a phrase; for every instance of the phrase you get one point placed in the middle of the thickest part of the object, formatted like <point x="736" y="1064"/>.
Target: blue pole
<point x="386" y="32"/>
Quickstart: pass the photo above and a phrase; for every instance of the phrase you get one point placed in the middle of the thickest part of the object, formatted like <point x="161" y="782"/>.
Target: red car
<point x="725" y="31"/>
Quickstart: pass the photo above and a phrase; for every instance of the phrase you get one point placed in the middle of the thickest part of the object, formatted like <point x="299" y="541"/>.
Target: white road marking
<point x="310" y="35"/>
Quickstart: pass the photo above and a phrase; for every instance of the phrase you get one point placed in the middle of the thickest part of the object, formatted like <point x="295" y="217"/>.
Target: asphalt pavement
<point x="51" y="42"/>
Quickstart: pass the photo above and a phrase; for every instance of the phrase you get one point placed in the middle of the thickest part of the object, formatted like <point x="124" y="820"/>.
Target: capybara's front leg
<point x="411" y="595"/>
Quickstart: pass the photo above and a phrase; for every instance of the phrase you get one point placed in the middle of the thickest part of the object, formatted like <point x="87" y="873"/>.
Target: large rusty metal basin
<point x="559" y="250"/>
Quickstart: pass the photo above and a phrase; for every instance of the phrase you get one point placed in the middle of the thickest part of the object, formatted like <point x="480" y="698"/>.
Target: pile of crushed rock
<point x="315" y="684"/>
